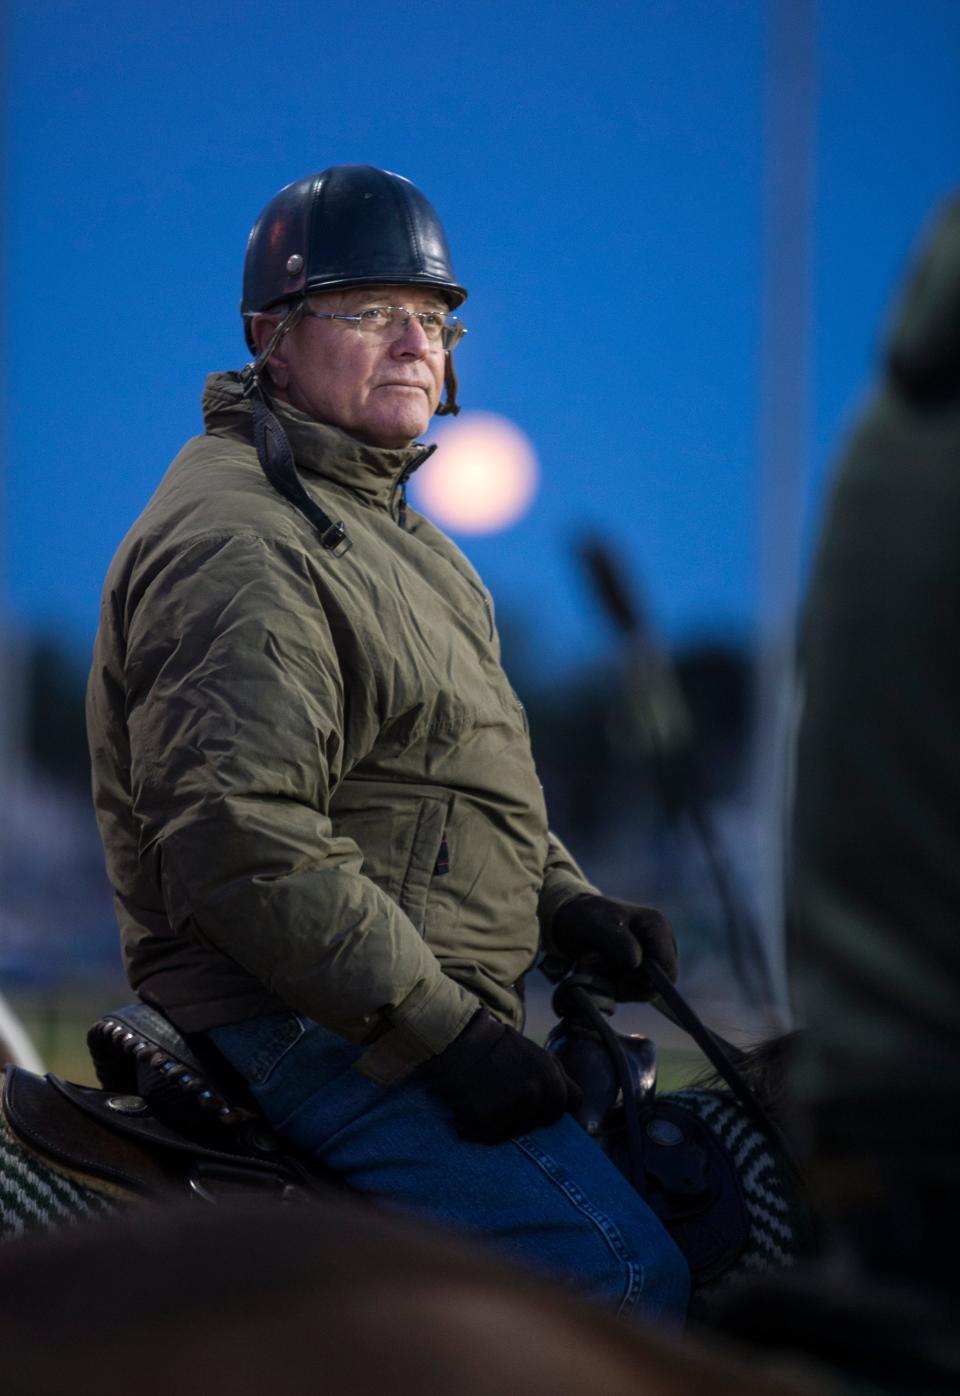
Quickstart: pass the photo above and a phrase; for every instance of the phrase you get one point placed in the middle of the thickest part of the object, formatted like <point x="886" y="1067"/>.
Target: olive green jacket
<point x="312" y="778"/>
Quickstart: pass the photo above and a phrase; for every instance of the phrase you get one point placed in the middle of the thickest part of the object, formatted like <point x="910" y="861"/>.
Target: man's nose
<point x="412" y="340"/>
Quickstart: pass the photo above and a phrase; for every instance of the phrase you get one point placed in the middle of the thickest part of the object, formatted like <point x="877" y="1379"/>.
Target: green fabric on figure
<point x="875" y="894"/>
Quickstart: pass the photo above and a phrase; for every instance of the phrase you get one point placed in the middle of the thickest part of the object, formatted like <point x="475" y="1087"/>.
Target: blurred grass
<point x="57" y="1019"/>
<point x="676" y="1068"/>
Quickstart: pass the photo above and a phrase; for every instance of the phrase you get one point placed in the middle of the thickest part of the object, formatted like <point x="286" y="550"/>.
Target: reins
<point x="719" y="1053"/>
<point x="674" y="1006"/>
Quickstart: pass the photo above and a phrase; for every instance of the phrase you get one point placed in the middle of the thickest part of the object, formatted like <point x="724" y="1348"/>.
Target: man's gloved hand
<point x="622" y="936"/>
<point x="498" y="1083"/>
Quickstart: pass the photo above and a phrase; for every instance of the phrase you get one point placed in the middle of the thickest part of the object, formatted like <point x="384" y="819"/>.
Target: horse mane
<point x="764" y="1065"/>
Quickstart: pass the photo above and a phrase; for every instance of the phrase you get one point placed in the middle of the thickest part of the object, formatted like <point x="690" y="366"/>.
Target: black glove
<point x="498" y="1083"/>
<point x="621" y="936"/>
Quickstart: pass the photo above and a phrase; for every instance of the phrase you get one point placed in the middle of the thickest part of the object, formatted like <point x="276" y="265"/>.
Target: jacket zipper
<point x="401" y="486"/>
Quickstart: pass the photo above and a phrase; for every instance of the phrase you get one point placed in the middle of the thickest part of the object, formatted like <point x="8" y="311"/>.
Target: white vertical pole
<point x="786" y="341"/>
<point x="12" y="1035"/>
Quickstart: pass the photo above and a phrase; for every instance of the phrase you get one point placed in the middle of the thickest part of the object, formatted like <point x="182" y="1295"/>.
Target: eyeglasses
<point x="391" y="321"/>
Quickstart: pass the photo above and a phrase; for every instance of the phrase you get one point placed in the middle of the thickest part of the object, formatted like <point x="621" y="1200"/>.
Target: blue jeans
<point x="550" y="1199"/>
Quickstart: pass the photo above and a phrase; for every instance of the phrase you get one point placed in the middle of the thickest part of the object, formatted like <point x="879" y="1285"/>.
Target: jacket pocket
<point x="422" y="864"/>
<point x="398" y="829"/>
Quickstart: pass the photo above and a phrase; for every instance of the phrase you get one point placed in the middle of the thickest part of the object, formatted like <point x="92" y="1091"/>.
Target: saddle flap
<point x="45" y="1121"/>
<point x="116" y="1137"/>
<point x="679" y="1168"/>
<point x="693" y="1186"/>
<point x="131" y="1117"/>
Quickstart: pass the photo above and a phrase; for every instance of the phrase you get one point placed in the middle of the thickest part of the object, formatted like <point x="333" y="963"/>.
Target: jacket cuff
<point x="559" y="887"/>
<point x="421" y="1026"/>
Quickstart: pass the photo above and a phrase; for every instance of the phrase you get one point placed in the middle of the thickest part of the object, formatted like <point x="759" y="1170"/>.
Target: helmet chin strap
<point x="273" y="448"/>
<point x="449" y="408"/>
<point x="254" y="371"/>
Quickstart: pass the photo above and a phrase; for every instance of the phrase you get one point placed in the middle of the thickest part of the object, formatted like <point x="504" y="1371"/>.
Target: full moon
<point x="482" y="477"/>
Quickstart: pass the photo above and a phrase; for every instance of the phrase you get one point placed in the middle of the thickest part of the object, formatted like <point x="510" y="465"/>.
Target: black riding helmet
<point x="350" y="225"/>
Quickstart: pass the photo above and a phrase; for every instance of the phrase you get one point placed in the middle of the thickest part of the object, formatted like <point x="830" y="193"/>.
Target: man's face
<point x="383" y="391"/>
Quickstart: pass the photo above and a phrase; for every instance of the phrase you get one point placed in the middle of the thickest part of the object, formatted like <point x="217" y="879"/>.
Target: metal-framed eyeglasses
<point x="390" y="322"/>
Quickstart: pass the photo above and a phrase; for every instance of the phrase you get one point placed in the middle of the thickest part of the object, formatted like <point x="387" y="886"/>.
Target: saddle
<point x="163" y="1123"/>
<point x="166" y="1122"/>
<point x="690" y="1180"/>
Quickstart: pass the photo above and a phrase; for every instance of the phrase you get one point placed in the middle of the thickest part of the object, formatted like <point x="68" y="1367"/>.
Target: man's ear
<point x="262" y="327"/>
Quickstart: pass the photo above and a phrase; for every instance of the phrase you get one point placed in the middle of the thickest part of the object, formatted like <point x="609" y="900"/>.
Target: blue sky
<point x="599" y="170"/>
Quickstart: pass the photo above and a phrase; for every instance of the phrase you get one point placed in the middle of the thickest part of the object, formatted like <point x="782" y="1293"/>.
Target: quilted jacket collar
<point x="371" y="472"/>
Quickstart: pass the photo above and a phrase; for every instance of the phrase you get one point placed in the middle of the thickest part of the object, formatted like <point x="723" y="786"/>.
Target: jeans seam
<point x="606" y="1227"/>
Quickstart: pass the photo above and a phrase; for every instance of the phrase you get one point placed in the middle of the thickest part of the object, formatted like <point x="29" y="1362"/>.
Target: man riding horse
<point x="314" y="783"/>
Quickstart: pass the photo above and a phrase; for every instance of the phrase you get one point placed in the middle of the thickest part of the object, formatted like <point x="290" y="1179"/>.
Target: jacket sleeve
<point x="562" y="881"/>
<point x="247" y="702"/>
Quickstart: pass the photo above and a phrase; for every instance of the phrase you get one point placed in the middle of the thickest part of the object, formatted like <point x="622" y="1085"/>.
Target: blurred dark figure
<point x="875" y="886"/>
<point x="875" y="932"/>
<point x="339" y="1299"/>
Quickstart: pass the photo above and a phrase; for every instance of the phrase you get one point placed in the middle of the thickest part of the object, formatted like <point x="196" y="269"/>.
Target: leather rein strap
<point x="717" y="1053"/>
